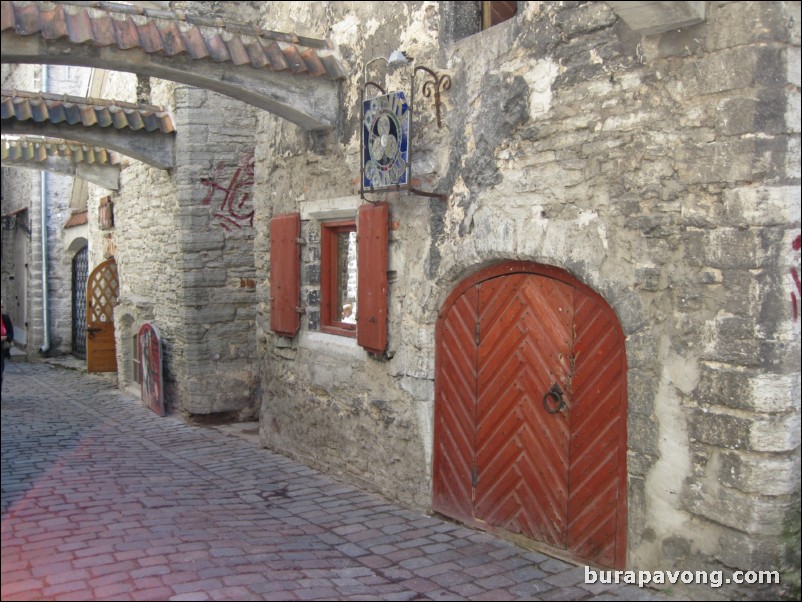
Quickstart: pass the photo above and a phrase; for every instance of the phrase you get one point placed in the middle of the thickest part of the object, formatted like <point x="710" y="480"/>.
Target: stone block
<point x="724" y="387"/>
<point x="760" y="205"/>
<point x="776" y="433"/>
<point x="210" y="277"/>
<point x="739" y="68"/>
<point x="722" y="161"/>
<point x="639" y="463"/>
<point x="775" y="393"/>
<point x="212" y="240"/>
<point x="747" y="552"/>
<point x="758" y="473"/>
<point x="757" y="514"/>
<point x="736" y="24"/>
<point x="210" y="314"/>
<point x="642" y="435"/>
<point x="719" y="429"/>
<point x="642" y="387"/>
<point x="735" y="248"/>
<point x="585" y="19"/>
<point x="637" y="508"/>
<point x="764" y="114"/>
<point x="195" y="296"/>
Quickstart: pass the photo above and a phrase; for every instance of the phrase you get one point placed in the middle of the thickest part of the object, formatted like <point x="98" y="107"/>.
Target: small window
<point x="468" y="18"/>
<point x="106" y="214"/>
<point x="494" y="13"/>
<point x="338" y="277"/>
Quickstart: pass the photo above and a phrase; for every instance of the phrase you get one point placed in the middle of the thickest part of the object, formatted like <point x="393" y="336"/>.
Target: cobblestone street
<point x="103" y="500"/>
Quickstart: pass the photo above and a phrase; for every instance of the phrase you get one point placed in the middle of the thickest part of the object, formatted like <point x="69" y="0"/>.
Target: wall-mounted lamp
<point x="398" y="58"/>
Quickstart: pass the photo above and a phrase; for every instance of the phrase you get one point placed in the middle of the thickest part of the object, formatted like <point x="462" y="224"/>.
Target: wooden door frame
<point x="506" y="268"/>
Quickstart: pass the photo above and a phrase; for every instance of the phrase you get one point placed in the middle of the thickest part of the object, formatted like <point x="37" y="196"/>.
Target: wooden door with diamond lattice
<point x="530" y="411"/>
<point x="102" y="291"/>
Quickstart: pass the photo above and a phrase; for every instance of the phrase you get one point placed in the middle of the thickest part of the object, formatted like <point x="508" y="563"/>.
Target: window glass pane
<point x="346" y="276"/>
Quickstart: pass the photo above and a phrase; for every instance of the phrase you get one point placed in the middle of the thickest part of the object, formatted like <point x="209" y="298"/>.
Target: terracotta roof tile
<point x="77" y="219"/>
<point x="54" y="108"/>
<point x="171" y="33"/>
<point x="39" y="149"/>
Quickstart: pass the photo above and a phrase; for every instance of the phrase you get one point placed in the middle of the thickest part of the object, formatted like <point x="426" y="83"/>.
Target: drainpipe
<point x="43" y="210"/>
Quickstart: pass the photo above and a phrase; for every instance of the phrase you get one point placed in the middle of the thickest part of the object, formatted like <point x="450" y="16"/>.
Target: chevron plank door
<point x="455" y="422"/>
<point x="530" y="420"/>
<point x="525" y="332"/>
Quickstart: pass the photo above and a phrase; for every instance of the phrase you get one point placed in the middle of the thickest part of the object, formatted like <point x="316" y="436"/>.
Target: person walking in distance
<point x="8" y="337"/>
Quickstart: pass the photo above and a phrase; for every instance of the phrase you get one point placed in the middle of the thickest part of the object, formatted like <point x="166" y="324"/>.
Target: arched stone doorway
<point x="80" y="275"/>
<point x="530" y="411"/>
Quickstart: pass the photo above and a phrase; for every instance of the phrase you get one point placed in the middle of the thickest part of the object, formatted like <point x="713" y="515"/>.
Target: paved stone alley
<point x="103" y="500"/>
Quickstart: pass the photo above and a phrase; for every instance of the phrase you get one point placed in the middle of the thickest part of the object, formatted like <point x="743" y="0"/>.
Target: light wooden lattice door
<point x="530" y="416"/>
<point x="102" y="291"/>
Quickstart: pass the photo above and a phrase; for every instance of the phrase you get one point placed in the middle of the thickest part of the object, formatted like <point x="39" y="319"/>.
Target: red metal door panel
<point x="102" y="291"/>
<point x="285" y="273"/>
<point x="455" y="419"/>
<point x="525" y="326"/>
<point x="597" y="504"/>
<point x="372" y="232"/>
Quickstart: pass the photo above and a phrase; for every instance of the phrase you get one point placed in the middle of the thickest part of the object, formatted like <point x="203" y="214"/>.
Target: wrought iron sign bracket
<point x="386" y="132"/>
<point x="435" y="85"/>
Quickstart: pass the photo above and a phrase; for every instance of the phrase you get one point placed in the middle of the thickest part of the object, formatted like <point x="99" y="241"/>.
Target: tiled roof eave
<point x="171" y="33"/>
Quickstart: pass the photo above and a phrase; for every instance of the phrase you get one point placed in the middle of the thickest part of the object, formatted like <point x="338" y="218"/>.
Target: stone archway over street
<point x="144" y="132"/>
<point x="293" y="77"/>
<point x="95" y="164"/>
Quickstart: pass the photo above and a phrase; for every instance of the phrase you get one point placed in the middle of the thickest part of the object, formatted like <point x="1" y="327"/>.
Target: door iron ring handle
<point x="554" y="393"/>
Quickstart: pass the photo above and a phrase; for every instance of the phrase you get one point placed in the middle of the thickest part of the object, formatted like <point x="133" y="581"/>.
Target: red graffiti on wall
<point x="795" y="275"/>
<point x="231" y="197"/>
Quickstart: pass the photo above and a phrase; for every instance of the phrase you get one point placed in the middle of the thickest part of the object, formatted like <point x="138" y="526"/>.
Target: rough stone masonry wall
<point x="184" y="249"/>
<point x="23" y="188"/>
<point x="20" y="189"/>
<point x="661" y="171"/>
<point x="664" y="173"/>
<point x="143" y="242"/>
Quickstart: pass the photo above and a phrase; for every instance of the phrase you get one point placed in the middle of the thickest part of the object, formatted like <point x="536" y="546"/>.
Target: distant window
<point x="494" y="13"/>
<point x="106" y="214"/>
<point x="338" y="277"/>
<point x="468" y="18"/>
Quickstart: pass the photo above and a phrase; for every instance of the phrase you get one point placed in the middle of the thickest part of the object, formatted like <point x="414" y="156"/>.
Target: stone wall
<point x="22" y="188"/>
<point x="183" y="241"/>
<point x="661" y="171"/>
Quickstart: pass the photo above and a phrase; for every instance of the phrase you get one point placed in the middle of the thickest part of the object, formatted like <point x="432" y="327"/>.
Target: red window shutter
<point x="285" y="273"/>
<point x="371" y="307"/>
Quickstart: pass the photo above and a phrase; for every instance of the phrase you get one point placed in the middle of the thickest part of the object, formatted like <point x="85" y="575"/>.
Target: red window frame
<point x="330" y="320"/>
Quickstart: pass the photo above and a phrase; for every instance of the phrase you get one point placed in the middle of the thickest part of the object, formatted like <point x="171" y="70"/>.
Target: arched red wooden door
<point x="101" y="295"/>
<point x="530" y="411"/>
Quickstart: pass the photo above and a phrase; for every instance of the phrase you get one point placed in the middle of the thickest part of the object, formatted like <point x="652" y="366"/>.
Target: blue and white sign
<point x="385" y="152"/>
